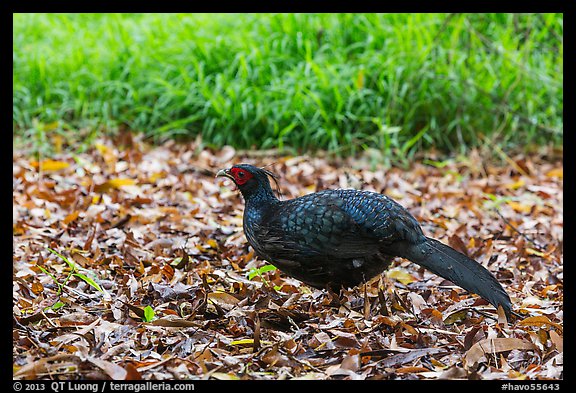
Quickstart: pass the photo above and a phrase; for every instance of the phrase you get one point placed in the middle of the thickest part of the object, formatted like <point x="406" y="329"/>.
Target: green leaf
<point x="148" y="314"/>
<point x="267" y="268"/>
<point x="53" y="278"/>
<point x="252" y="273"/>
<point x="73" y="269"/>
<point x="437" y="164"/>
<point x="48" y="273"/>
<point x="89" y="281"/>
<point x="258" y="271"/>
<point x="412" y="141"/>
<point x="56" y="306"/>
<point x="71" y="264"/>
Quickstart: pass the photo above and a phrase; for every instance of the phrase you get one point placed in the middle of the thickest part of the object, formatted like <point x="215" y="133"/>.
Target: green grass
<point x="341" y="82"/>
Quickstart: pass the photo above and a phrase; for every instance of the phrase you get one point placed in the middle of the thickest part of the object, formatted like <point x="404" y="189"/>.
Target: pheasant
<point x="344" y="237"/>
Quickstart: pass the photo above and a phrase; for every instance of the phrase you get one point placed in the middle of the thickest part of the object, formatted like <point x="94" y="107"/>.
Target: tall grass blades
<point x="342" y="82"/>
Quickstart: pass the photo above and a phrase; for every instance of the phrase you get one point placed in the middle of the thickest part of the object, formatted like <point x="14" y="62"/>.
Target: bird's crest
<point x="274" y="177"/>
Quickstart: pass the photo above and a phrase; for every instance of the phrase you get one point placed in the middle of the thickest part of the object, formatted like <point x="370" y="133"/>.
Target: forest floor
<point x="129" y="262"/>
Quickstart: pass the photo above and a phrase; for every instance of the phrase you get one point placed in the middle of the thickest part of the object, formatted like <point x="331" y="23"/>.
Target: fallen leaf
<point x="520" y="207"/>
<point x="116" y="183"/>
<point x="495" y="345"/>
<point x="400" y="275"/>
<point x="556" y="172"/>
<point x="557" y="340"/>
<point x="174" y="321"/>
<point x="456" y="316"/>
<point x="71" y="217"/>
<point x="224" y="376"/>
<point x="531" y="251"/>
<point x="412" y="369"/>
<point x="132" y="373"/>
<point x="539" y="321"/>
<point x="37" y="288"/>
<point x="249" y="342"/>
<point x="223" y="299"/>
<point x="114" y="371"/>
<point x="517" y="184"/>
<point x="47" y="365"/>
<point x="50" y="165"/>
<point x="77" y="318"/>
<point x="167" y="234"/>
<point x="407" y="356"/>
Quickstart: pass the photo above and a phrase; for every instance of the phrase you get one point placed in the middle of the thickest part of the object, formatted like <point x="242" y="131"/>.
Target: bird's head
<point x="249" y="179"/>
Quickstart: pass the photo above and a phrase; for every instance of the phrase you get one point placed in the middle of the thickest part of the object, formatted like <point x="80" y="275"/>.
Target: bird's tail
<point x="458" y="268"/>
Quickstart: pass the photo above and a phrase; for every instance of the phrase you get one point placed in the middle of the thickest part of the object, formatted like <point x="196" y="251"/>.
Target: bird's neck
<point x="257" y="204"/>
<point x="260" y="196"/>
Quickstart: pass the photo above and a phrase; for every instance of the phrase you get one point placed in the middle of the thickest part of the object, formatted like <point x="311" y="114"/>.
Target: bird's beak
<point x="224" y="173"/>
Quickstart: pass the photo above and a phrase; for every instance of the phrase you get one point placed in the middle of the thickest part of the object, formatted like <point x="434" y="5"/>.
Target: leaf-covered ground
<point x="130" y="262"/>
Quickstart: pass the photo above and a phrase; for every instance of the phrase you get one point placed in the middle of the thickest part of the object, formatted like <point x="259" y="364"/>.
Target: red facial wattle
<point x="241" y="176"/>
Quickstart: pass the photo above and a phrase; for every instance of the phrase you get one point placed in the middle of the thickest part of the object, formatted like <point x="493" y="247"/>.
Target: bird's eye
<point x="241" y="174"/>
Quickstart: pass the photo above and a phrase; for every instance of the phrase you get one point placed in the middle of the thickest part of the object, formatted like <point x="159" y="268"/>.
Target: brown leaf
<point x="351" y="362"/>
<point x="77" y="318"/>
<point x="174" y="321"/>
<point x="136" y="310"/>
<point x="165" y="293"/>
<point x="79" y="258"/>
<point x="502" y="320"/>
<point x="539" y="321"/>
<point x="256" y="345"/>
<point x="37" y="288"/>
<point x="458" y="244"/>
<point x="557" y="340"/>
<point x="211" y="318"/>
<point x="321" y="341"/>
<point x="71" y="217"/>
<point x="344" y="339"/>
<point x="113" y="370"/>
<point x="408" y="356"/>
<point x="47" y="365"/>
<point x="223" y="299"/>
<point x="412" y="369"/>
<point x="90" y="239"/>
<point x="495" y="345"/>
<point x="475" y="334"/>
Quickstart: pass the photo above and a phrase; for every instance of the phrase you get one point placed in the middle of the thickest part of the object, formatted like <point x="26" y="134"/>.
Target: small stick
<point x="519" y="232"/>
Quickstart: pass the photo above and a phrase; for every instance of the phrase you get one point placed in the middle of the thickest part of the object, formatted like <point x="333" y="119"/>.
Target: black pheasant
<point x="341" y="238"/>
